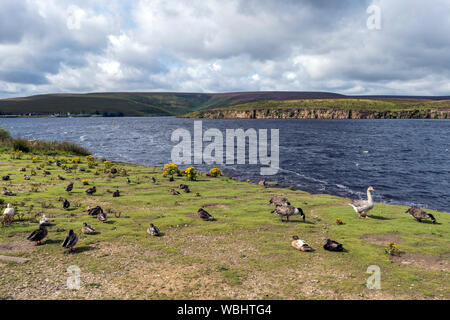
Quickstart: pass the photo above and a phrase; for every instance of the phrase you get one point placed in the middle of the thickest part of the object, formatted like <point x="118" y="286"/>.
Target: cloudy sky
<point x="56" y="46"/>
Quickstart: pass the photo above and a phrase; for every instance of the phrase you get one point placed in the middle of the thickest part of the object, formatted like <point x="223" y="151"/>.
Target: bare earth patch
<point x="15" y="247"/>
<point x="216" y="205"/>
<point x="423" y="261"/>
<point x="381" y="239"/>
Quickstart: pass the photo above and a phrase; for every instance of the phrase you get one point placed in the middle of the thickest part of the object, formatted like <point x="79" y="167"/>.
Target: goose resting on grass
<point x="70" y="241"/>
<point x="66" y="204"/>
<point x="69" y="187"/>
<point x="363" y="206"/>
<point x="420" y="214"/>
<point x="95" y="211"/>
<point x="102" y="217"/>
<point x="37" y="235"/>
<point x="153" y="230"/>
<point x="174" y="192"/>
<point x="279" y="201"/>
<point x="287" y="211"/>
<point x="91" y="191"/>
<point x="300" y="244"/>
<point x="87" y="229"/>
<point x="44" y="221"/>
<point x="9" y="210"/>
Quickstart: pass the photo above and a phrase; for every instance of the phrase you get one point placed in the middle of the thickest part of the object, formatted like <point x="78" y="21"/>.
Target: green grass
<point x="245" y="253"/>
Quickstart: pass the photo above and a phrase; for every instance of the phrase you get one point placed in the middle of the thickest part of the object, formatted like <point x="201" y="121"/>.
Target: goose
<point x="186" y="190"/>
<point x="204" y="215"/>
<point x="58" y="163"/>
<point x="9" y="210"/>
<point x="66" y="204"/>
<point x="95" y="211"/>
<point x="116" y="194"/>
<point x="153" y="180"/>
<point x="287" y="211"/>
<point x="26" y="177"/>
<point x="102" y="217"/>
<point x="128" y="180"/>
<point x="420" y="214"/>
<point x="171" y="179"/>
<point x="332" y="245"/>
<point x="70" y="241"/>
<point x="44" y="221"/>
<point x="5" y="178"/>
<point x="279" y="201"/>
<point x="61" y="178"/>
<point x="174" y="192"/>
<point x="300" y="244"/>
<point x="37" y="235"/>
<point x="69" y="187"/>
<point x="363" y="206"/>
<point x="22" y="169"/>
<point x="113" y="170"/>
<point x="91" y="191"/>
<point x="153" y="230"/>
<point x="87" y="229"/>
<point x="184" y="186"/>
<point x="46" y="173"/>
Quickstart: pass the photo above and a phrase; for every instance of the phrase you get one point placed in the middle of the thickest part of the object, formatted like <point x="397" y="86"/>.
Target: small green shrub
<point x="4" y="134"/>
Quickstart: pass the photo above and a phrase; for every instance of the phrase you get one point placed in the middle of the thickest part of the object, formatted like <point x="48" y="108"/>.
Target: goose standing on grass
<point x="153" y="180"/>
<point x="9" y="210"/>
<point x="38" y="235"/>
<point x="87" y="229"/>
<point x="287" y="211"/>
<point x="70" y="241"/>
<point x="44" y="221"/>
<point x="300" y="244"/>
<point x="363" y="206"/>
<point x="420" y="214"/>
<point x="153" y="230"/>
<point x="116" y="194"/>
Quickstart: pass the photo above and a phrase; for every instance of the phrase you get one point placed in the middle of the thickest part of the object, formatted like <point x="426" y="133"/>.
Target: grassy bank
<point x="244" y="254"/>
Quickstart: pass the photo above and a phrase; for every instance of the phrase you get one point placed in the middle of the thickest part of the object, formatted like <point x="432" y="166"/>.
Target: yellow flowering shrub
<point x="190" y="173"/>
<point x="339" y="221"/>
<point x="170" y="169"/>
<point x="392" y="249"/>
<point x="85" y="181"/>
<point x="215" y="172"/>
<point x="76" y="160"/>
<point x="17" y="154"/>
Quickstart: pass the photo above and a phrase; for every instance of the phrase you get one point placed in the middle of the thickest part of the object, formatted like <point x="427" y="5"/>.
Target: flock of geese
<point x="282" y="207"/>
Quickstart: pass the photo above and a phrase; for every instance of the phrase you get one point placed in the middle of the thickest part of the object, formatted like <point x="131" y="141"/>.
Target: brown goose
<point x="287" y="211"/>
<point x="66" y="204"/>
<point x="204" y="215"/>
<point x="87" y="229"/>
<point x="300" y="244"/>
<point x="102" y="217"/>
<point x="332" y="245"/>
<point x="7" y="192"/>
<point x="420" y="214"/>
<point x="153" y="230"/>
<point x="174" y="192"/>
<point x="279" y="201"/>
<point x="153" y="180"/>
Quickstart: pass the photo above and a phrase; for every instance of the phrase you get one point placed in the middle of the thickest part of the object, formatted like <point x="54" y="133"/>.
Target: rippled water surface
<point x="406" y="161"/>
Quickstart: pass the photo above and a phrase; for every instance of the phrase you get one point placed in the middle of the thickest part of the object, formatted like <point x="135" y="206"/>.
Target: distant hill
<point x="158" y="103"/>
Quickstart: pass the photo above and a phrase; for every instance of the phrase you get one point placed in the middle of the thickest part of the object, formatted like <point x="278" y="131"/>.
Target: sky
<point x="399" y="47"/>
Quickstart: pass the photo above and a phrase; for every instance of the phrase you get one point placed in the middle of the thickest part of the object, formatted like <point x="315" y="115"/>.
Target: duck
<point x="204" y="215"/>
<point x="420" y="214"/>
<point x="116" y="194"/>
<point x="279" y="201"/>
<point x="174" y="192"/>
<point x="287" y="211"/>
<point x="66" y="204"/>
<point x="61" y="178"/>
<point x="153" y="230"/>
<point x="87" y="229"/>
<point x="171" y="179"/>
<point x="26" y="177"/>
<point x="38" y="235"/>
<point x="113" y="170"/>
<point x="22" y="169"/>
<point x="332" y="245"/>
<point x="153" y="180"/>
<point x="44" y="221"/>
<point x="183" y="186"/>
<point x="69" y="187"/>
<point x="95" y="211"/>
<point x="300" y="244"/>
<point x="92" y="190"/>
<point x="58" y="163"/>
<point x="70" y="241"/>
<point x="128" y="180"/>
<point x="5" y="178"/>
<point x="7" y="192"/>
<point x="101" y="216"/>
<point x="46" y="173"/>
<point x="9" y="210"/>
<point x="363" y="206"/>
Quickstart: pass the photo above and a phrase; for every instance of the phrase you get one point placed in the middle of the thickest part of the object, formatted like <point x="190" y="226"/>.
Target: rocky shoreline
<point x="324" y="113"/>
